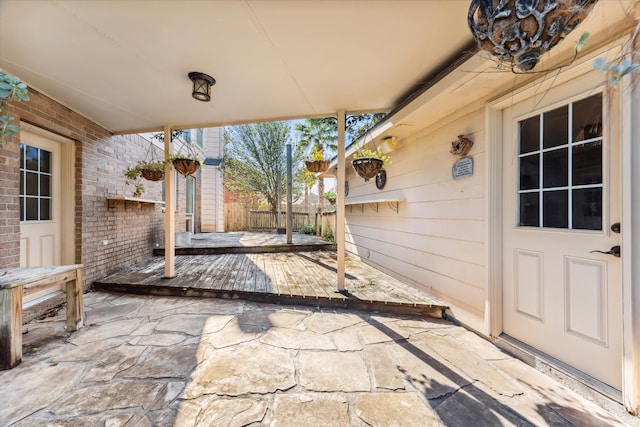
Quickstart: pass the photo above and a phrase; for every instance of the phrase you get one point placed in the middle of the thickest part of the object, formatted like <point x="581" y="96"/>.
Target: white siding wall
<point x="436" y="240"/>
<point x="212" y="198"/>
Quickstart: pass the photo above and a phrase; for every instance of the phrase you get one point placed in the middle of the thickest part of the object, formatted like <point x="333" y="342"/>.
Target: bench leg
<point x="74" y="303"/>
<point x="10" y="327"/>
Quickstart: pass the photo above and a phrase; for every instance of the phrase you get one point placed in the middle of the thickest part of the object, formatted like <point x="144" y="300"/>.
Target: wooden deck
<point x="299" y="278"/>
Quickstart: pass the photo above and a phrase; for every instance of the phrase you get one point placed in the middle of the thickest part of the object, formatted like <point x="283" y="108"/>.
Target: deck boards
<point x="283" y="277"/>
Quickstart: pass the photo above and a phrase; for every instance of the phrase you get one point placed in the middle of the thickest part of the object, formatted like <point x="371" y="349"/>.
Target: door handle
<point x="615" y="251"/>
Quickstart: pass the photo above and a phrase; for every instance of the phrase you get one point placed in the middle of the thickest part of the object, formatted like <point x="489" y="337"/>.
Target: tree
<point x="255" y="155"/>
<point x="320" y="135"/>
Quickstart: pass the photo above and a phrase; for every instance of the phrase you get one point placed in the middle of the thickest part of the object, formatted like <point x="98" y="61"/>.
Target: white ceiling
<point x="124" y="64"/>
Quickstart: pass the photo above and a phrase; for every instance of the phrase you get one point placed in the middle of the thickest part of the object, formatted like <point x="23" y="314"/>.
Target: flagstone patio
<point x="172" y="361"/>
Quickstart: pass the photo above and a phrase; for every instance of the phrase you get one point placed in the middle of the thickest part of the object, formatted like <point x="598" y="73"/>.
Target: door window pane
<point x="32" y="184"/>
<point x="35" y="184"/>
<point x="587" y="209"/>
<point x="45" y="209"/>
<point x="31" y="211"/>
<point x="555" y="168"/>
<point x="555" y="209"/>
<point x="587" y="118"/>
<point x="530" y="135"/>
<point x="530" y="172"/>
<point x="529" y="210"/>
<point x="31" y="155"/>
<point x="555" y="130"/>
<point x="587" y="163"/>
<point x="566" y="190"/>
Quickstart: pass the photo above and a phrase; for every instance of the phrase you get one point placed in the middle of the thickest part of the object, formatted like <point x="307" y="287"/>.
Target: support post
<point x="74" y="302"/>
<point x="340" y="207"/>
<point x="289" y="197"/>
<point x="10" y="327"/>
<point x="279" y="193"/>
<point x="170" y="209"/>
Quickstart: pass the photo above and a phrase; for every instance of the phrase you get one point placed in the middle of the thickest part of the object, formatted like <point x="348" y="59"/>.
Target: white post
<point x="169" y="209"/>
<point x="340" y="211"/>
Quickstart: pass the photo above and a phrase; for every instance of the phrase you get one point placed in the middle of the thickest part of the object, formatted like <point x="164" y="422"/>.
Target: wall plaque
<point x="462" y="168"/>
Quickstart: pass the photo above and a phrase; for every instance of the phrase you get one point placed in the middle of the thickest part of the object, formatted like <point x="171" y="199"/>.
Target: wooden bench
<point x="13" y="284"/>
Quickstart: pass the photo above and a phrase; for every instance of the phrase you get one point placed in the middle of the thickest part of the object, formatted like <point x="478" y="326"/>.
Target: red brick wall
<point x="131" y="231"/>
<point x="9" y="208"/>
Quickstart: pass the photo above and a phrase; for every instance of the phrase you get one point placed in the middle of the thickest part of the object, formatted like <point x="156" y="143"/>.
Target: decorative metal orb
<point x="519" y="31"/>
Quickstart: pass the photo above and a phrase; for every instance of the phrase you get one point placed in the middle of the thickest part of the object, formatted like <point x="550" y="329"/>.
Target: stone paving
<point x="156" y="361"/>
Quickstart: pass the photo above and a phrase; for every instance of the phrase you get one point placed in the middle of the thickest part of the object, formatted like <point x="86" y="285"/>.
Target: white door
<point x="561" y="193"/>
<point x="40" y="206"/>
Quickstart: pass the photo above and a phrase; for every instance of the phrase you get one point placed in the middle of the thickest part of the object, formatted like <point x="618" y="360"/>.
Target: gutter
<point x="470" y="50"/>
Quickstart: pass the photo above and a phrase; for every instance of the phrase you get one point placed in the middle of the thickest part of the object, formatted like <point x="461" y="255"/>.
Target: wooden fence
<point x="267" y="221"/>
<point x="248" y="217"/>
<point x="236" y="216"/>
<point x="325" y="224"/>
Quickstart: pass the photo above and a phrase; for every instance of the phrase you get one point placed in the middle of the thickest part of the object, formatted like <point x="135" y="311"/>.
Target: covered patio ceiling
<point x="124" y="64"/>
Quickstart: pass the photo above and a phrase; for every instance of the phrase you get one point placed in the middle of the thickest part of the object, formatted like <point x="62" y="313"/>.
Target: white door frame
<point x="630" y="183"/>
<point x="67" y="185"/>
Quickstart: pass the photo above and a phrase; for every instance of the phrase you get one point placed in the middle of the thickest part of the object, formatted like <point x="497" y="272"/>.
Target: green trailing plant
<point x="330" y="195"/>
<point x="133" y="174"/>
<point x="366" y="153"/>
<point x="11" y="89"/>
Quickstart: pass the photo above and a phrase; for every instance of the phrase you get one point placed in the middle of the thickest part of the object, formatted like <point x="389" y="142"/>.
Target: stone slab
<point x="396" y="410"/>
<point x="333" y="371"/>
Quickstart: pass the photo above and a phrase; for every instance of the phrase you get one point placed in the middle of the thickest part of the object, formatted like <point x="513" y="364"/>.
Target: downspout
<point x="169" y="209"/>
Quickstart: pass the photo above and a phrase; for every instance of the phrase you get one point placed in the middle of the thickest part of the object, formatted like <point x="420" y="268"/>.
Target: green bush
<point x="307" y="229"/>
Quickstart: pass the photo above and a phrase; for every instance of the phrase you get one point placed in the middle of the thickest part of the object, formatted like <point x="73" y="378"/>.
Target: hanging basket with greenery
<point x="317" y="163"/>
<point x="317" y="166"/>
<point x="368" y="163"/>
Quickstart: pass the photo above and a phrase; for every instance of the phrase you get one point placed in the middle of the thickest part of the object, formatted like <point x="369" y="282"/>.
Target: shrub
<point x="307" y="229"/>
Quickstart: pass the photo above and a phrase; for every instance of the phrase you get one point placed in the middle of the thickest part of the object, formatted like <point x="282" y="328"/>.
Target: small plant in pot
<point x="331" y="197"/>
<point x="317" y="163"/>
<point x="368" y="163"/>
<point x="152" y="171"/>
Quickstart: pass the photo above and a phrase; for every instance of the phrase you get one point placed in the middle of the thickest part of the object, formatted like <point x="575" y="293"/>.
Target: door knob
<point x="615" y="251"/>
<point x="615" y="227"/>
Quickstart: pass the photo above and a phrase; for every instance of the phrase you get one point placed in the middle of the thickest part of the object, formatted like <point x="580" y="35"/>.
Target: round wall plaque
<point x="381" y="179"/>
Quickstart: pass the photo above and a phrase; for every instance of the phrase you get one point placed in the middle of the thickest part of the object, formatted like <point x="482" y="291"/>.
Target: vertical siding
<point x="212" y="194"/>
<point x="436" y="239"/>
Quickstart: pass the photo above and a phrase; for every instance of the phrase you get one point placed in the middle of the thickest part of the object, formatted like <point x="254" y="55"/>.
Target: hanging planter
<point x="518" y="32"/>
<point x="317" y="165"/>
<point x="368" y="163"/>
<point x="186" y="167"/>
<point x="367" y="167"/>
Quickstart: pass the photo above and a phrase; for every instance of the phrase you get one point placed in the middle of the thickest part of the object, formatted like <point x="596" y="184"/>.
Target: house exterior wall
<point x="212" y="188"/>
<point x="436" y="239"/>
<point x="130" y="231"/>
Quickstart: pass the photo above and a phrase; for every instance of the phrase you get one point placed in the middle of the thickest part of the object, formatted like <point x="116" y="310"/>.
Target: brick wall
<point x="131" y="231"/>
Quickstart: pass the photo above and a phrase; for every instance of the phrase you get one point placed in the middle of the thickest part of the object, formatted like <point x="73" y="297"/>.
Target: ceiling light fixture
<point x="201" y="86"/>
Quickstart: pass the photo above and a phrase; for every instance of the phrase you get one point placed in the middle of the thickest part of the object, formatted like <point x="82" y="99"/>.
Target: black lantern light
<point x="519" y="31"/>
<point x="201" y="86"/>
